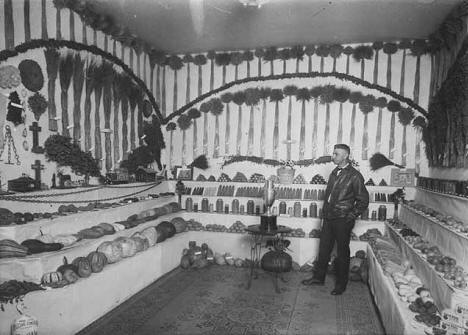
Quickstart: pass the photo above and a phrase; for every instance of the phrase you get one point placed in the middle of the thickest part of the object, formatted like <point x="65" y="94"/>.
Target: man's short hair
<point x="344" y="147"/>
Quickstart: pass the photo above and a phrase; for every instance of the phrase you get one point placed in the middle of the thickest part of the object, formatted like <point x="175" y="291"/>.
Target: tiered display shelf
<point x="444" y="293"/>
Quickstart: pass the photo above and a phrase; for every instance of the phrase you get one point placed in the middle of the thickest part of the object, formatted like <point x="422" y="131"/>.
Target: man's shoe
<point x="313" y="281"/>
<point x="337" y="291"/>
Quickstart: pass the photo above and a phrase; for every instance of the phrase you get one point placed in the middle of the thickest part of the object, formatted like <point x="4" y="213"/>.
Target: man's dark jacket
<point x="346" y="196"/>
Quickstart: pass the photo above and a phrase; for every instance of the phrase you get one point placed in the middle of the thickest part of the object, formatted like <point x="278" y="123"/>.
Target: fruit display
<point x="240" y="178"/>
<point x="318" y="179"/>
<point x="453" y="187"/>
<point x="224" y="178"/>
<point x="237" y="227"/>
<point x="216" y="227"/>
<point x="370" y="233"/>
<point x="194" y="225"/>
<point x="446" y="220"/>
<point x="257" y="178"/>
<point x="315" y="233"/>
<point x="299" y="179"/>
<point x="274" y="178"/>
<point x="298" y="232"/>
<point x="196" y="257"/>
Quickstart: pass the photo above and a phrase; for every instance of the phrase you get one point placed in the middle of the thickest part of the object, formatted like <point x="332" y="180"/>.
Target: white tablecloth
<point x="444" y="203"/>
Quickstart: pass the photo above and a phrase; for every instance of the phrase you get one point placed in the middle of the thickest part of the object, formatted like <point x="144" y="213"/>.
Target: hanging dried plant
<point x="377" y="45"/>
<point x="362" y="52"/>
<point x="290" y="90"/>
<point x="184" y="122"/>
<point x="327" y="94"/>
<point x="248" y="56"/>
<point x="341" y="94"/>
<point x="193" y="113"/>
<point x="303" y="94"/>
<point x="238" y="98"/>
<point x="223" y="59"/>
<point x="405" y="116"/>
<point x="37" y="104"/>
<point x="270" y="55"/>
<point x="355" y="97"/>
<point x="226" y="97"/>
<point x="171" y="126"/>
<point x="322" y="50"/>
<point x="236" y="59"/>
<point x="366" y="104"/>
<point x="216" y="106"/>
<point x="205" y="107"/>
<point x="335" y="52"/>
<point x="199" y="60"/>
<point x="252" y="96"/>
<point x="394" y="106"/>
<point x="264" y="93"/>
<point x="420" y="122"/>
<point x="276" y="95"/>
<point x="316" y="91"/>
<point x="381" y="102"/>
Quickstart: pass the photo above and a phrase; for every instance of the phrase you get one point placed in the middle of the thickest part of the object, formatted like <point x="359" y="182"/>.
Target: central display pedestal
<point x="268" y="223"/>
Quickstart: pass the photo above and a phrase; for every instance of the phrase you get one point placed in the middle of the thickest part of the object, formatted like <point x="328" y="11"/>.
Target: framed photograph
<point x="184" y="173"/>
<point x="403" y="177"/>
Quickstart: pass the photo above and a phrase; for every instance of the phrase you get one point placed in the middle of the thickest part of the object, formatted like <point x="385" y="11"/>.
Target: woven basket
<point x="285" y="175"/>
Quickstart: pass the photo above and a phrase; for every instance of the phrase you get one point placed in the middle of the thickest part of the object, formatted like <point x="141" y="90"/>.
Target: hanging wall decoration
<point x="216" y="109"/>
<point x="170" y="127"/>
<point x="175" y="63"/>
<point x="195" y="114"/>
<point x="366" y="105"/>
<point x="341" y="95"/>
<point x="236" y="59"/>
<point x="199" y="61"/>
<point x="226" y="98"/>
<point x="252" y="98"/>
<point x="327" y="97"/>
<point x="378" y="161"/>
<point x="394" y="107"/>
<point x="377" y="46"/>
<point x="360" y="54"/>
<point x="389" y="49"/>
<point x="264" y="94"/>
<point x="322" y="51"/>
<point x="187" y="59"/>
<point x="302" y="95"/>
<point x="205" y="109"/>
<point x="65" y="74"/>
<point x="31" y="75"/>
<point x="354" y="98"/>
<point x="259" y="53"/>
<point x="184" y="123"/>
<point x="405" y="116"/>
<point x="309" y="51"/>
<point x="248" y="56"/>
<point x="380" y="104"/>
<point x="404" y="45"/>
<point x="134" y="96"/>
<point x="239" y="99"/>
<point x="78" y="82"/>
<point x="107" y="106"/>
<point x="15" y="109"/>
<point x="119" y="86"/>
<point x="315" y="93"/>
<point x="270" y="55"/>
<point x="335" y="52"/>
<point x="9" y="77"/>
<point x="284" y="55"/>
<point x="10" y="144"/>
<point x="37" y="105"/>
<point x="125" y="105"/>
<point x="276" y="95"/>
<point x="273" y="162"/>
<point x="289" y="91"/>
<point x="91" y="83"/>
<point x="52" y="58"/>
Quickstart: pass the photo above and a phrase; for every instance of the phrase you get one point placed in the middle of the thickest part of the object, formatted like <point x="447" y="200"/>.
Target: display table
<point x="452" y="205"/>
<point x="450" y="242"/>
<point x="257" y="239"/>
<point x="397" y="319"/>
<point x="445" y="296"/>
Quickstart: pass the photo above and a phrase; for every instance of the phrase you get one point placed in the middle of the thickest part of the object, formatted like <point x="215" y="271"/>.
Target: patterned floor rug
<point x="215" y="301"/>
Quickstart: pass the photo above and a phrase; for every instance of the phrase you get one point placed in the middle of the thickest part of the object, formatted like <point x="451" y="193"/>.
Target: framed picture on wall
<point x="403" y="177"/>
<point x="184" y="173"/>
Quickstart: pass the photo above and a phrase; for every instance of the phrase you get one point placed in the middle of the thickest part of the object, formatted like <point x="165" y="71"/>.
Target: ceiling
<point x="180" y="26"/>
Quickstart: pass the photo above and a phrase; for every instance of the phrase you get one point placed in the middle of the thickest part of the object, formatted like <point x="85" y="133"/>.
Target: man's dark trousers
<point x="338" y="230"/>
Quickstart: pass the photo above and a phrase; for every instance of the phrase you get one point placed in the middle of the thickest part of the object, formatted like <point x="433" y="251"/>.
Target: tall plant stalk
<point x="340" y="124"/>
<point x="52" y="58"/>
<point x="226" y="98"/>
<point x="107" y="104"/>
<point x="134" y="97"/>
<point x="72" y="25"/>
<point x="78" y="82"/>
<point x="378" y="137"/>
<point x="27" y="21"/>
<point x="391" y="146"/>
<point x="326" y="142"/>
<point x="124" y="104"/>
<point x="44" y="34"/>
<point x="65" y="74"/>
<point x="90" y="78"/>
<point x="117" y="94"/>
<point x="9" y="24"/>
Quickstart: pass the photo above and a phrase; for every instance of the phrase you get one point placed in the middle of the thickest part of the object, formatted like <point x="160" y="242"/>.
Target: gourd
<point x="180" y="224"/>
<point x="168" y="227"/>
<point x="118" y="226"/>
<point x="229" y="259"/>
<point x="112" y="250"/>
<point x="173" y="207"/>
<point x="108" y="228"/>
<point x="151" y="235"/>
<point x="276" y="261"/>
<point x="139" y="243"/>
<point x="68" y="271"/>
<point x="128" y="246"/>
<point x="28" y="217"/>
<point x="219" y="259"/>
<point x="162" y="234"/>
<point x="90" y="233"/>
<point x="238" y="262"/>
<point x="51" y="278"/>
<point x="185" y="262"/>
<point x="46" y="238"/>
<point x="83" y="267"/>
<point x="97" y="261"/>
<point x="10" y="248"/>
<point x="66" y="240"/>
<point x="36" y="246"/>
<point x="145" y="243"/>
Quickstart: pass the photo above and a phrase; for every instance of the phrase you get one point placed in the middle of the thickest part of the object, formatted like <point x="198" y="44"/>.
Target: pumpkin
<point x="200" y="263"/>
<point x="128" y="246"/>
<point x="70" y="276"/>
<point x="173" y="207"/>
<point x="276" y="261"/>
<point x="355" y="264"/>
<point x="66" y="266"/>
<point x="66" y="240"/>
<point x="180" y="224"/>
<point x="112" y="250"/>
<point x="168" y="227"/>
<point x="97" y="261"/>
<point x="83" y="267"/>
<point x="133" y="217"/>
<point x="161" y="234"/>
<point x="51" y="278"/>
<point x="118" y="226"/>
<point x="10" y="248"/>
<point x="151" y="235"/>
<point x="185" y="262"/>
<point x="108" y="228"/>
<point x="139" y="243"/>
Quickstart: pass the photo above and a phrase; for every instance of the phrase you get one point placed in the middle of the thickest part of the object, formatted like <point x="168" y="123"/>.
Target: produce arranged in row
<point x="239" y="177"/>
<point x="447" y="268"/>
<point x="446" y="220"/>
<point x="48" y="242"/>
<point x="453" y="187"/>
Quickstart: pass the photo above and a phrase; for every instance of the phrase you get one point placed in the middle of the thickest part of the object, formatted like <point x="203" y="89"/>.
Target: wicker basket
<point x="285" y="175"/>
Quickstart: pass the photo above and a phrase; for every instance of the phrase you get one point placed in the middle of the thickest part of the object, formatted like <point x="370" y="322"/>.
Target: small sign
<point x="403" y="177"/>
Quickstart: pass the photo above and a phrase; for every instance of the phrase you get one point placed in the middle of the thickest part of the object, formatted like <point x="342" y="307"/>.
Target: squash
<point x="112" y="250"/>
<point x="276" y="261"/>
<point x="70" y="276"/>
<point x="83" y="267"/>
<point x="28" y="217"/>
<point x="168" y="227"/>
<point x="66" y="240"/>
<point x="128" y="246"/>
<point x="67" y="266"/>
<point x="161" y="234"/>
<point x="90" y="233"/>
<point x="10" y="248"/>
<point x="97" y="261"/>
<point x="185" y="262"/>
<point x="139" y="243"/>
<point x="151" y="235"/>
<point x="107" y="227"/>
<point x="51" y="278"/>
<point x="153" y="212"/>
<point x="36" y="246"/>
<point x="180" y="224"/>
<point x="173" y="207"/>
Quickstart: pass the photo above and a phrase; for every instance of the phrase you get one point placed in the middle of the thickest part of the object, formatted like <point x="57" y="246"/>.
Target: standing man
<point x="346" y="197"/>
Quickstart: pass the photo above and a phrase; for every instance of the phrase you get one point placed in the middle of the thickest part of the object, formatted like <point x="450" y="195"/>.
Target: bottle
<point x="313" y="210"/>
<point x="374" y="215"/>
<point x="189" y="204"/>
<point x="297" y="209"/>
<point x="242" y="209"/>
<point x="205" y="207"/>
<point x="235" y="206"/>
<point x="219" y="205"/>
<point x="282" y="207"/>
<point x="226" y="209"/>
<point x="304" y="212"/>
<point x="382" y="213"/>
<point x="365" y="214"/>
<point x="250" y="207"/>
